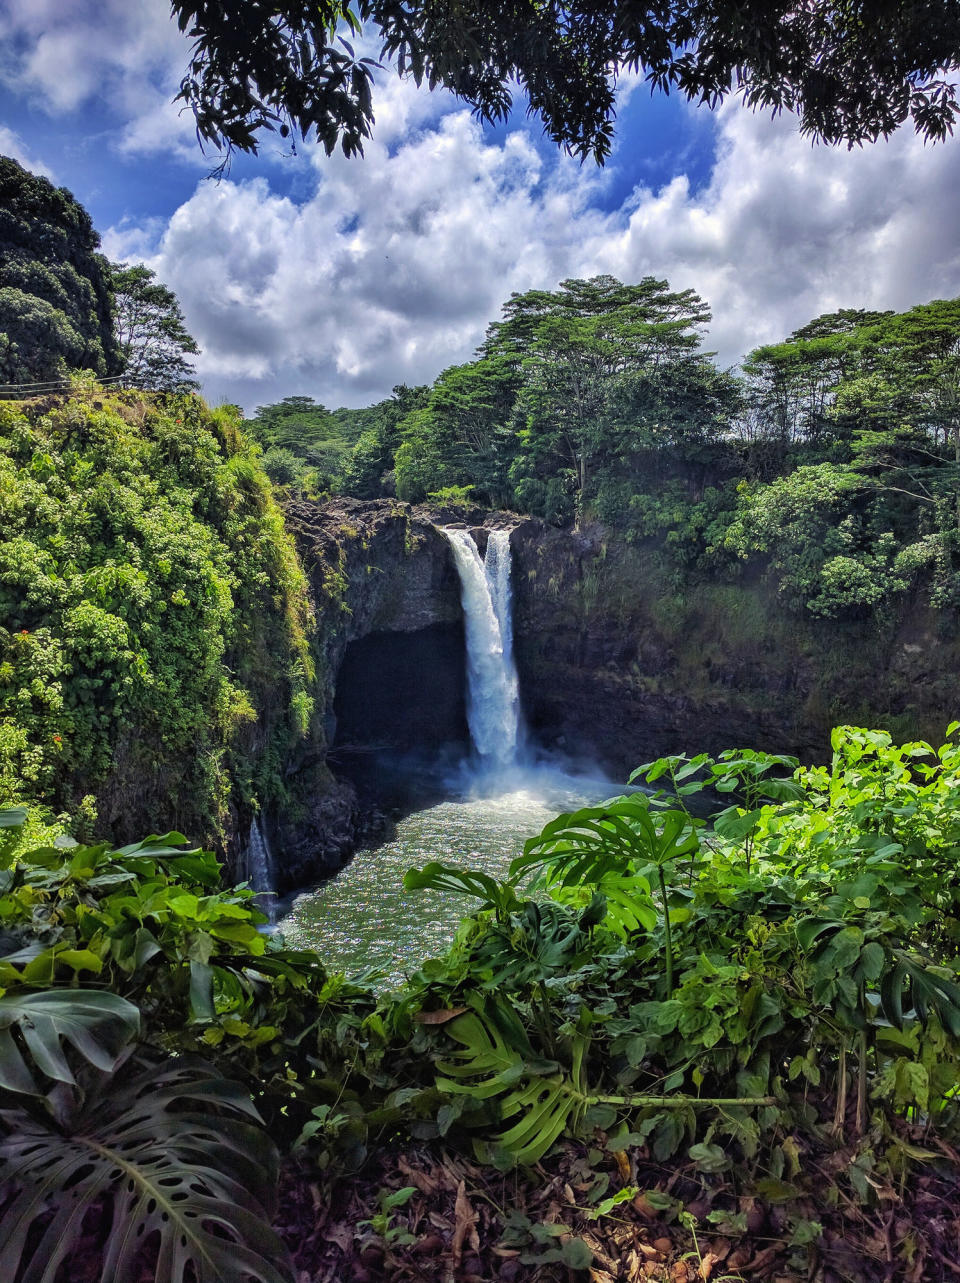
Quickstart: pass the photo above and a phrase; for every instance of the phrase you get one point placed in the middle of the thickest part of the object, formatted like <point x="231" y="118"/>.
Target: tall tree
<point x="463" y="435"/>
<point x="791" y="385"/>
<point x="606" y="369"/>
<point x="55" y="301"/>
<point x="152" y="335"/>
<point x="852" y="71"/>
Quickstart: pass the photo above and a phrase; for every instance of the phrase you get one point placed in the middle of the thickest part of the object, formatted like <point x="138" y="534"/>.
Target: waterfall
<point x="257" y="867"/>
<point x="493" y="704"/>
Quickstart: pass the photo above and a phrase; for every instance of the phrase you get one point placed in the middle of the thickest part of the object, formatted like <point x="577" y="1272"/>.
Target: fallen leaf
<point x="765" y="1258"/>
<point x="466" y="1224"/>
<point x="707" y="1264"/>
<point x="341" y="1236"/>
<point x="438" y="1017"/>
<point x="424" y="1182"/>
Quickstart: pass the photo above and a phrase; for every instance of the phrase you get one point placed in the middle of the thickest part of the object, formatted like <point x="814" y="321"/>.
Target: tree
<point x="305" y="445"/>
<point x="607" y="370"/>
<point x="55" y="305"/>
<point x="153" y="339"/>
<point x="369" y="471"/>
<point x="463" y="435"/>
<point x="852" y="72"/>
<point x="792" y="384"/>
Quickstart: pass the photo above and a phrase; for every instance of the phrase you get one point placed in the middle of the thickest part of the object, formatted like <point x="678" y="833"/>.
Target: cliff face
<point x="389" y="653"/>
<point x="615" y="666"/>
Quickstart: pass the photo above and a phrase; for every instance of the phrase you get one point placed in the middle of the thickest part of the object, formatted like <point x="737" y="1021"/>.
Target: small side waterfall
<point x="257" y="868"/>
<point x="493" y="703"/>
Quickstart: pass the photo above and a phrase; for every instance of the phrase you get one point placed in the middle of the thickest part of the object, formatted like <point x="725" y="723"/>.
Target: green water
<point x="363" y="918"/>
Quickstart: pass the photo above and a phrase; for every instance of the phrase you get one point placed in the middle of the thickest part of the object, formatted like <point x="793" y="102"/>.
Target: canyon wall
<point x="617" y="663"/>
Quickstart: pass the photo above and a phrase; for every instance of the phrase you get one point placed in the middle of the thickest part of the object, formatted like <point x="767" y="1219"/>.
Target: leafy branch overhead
<point x="851" y="74"/>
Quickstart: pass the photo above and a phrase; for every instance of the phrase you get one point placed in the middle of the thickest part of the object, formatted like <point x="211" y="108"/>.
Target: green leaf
<point x="172" y="1152"/>
<point x="97" y="1025"/>
<point x="625" y="1195"/>
<point x="733" y="825"/>
<point x="709" y="1158"/>
<point x="810" y="930"/>
<point x="576" y="1255"/>
<point x="891" y="994"/>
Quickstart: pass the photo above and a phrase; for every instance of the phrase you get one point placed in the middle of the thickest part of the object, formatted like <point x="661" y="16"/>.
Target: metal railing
<point x="48" y="387"/>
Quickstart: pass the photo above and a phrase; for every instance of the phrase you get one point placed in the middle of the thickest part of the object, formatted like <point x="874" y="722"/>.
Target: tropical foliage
<point x="754" y="990"/>
<point x="768" y="992"/>
<point x="55" y="304"/>
<point x="151" y="607"/>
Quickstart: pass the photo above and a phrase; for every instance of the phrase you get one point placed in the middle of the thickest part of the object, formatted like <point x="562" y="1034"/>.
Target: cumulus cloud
<point x="63" y="55"/>
<point x="394" y="266"/>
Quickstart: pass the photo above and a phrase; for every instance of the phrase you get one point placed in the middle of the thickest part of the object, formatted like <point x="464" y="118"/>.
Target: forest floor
<point x="423" y="1215"/>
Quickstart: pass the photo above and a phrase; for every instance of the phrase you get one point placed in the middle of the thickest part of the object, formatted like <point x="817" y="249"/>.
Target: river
<point x="362" y="920"/>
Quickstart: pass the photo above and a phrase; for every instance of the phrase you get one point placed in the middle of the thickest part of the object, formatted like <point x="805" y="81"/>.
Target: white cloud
<point x="62" y="55"/>
<point x="392" y="269"/>
<point x="11" y="144"/>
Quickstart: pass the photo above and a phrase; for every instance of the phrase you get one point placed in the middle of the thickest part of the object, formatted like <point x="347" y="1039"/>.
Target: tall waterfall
<point x="493" y="703"/>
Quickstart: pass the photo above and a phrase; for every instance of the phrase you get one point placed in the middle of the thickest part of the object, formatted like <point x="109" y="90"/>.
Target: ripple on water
<point x="363" y="918"/>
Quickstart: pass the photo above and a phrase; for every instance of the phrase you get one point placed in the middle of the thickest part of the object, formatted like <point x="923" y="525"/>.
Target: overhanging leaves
<point x="34" y="1027"/>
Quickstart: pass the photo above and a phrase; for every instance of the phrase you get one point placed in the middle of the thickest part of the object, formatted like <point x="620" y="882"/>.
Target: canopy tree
<point x="369" y="471"/>
<point x="304" y="444"/>
<point x="152" y="335"/>
<point x="792" y="384"/>
<point x="463" y="433"/>
<point x="607" y="371"/>
<point x="852" y="72"/>
<point x="55" y="303"/>
<point x="568" y="390"/>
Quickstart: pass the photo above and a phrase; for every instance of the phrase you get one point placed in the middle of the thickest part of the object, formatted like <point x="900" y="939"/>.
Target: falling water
<point x="257" y="867"/>
<point x="492" y="691"/>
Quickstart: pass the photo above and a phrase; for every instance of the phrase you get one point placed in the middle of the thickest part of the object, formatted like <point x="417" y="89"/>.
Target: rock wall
<point x="387" y="603"/>
<point x="620" y="666"/>
<point x="616" y="665"/>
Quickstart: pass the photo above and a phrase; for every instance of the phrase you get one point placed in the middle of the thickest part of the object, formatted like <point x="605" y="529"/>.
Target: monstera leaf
<point x="175" y="1156"/>
<point x="97" y="1025"/>
<point x="583" y="847"/>
<point x="434" y="876"/>
<point x="496" y="1063"/>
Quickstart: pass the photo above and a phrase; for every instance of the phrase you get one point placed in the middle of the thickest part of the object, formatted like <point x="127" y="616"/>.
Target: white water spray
<point x="493" y="702"/>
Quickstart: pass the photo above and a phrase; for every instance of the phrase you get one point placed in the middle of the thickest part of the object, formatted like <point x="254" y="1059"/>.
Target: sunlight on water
<point x="363" y="918"/>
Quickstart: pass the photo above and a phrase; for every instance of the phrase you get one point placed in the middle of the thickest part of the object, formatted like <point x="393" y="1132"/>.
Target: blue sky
<point x="339" y="278"/>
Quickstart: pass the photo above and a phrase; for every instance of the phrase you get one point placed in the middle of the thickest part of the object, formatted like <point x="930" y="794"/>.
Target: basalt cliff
<point x="616" y="665"/>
